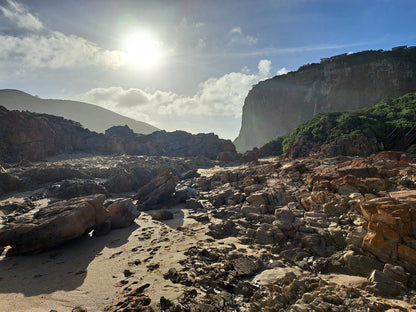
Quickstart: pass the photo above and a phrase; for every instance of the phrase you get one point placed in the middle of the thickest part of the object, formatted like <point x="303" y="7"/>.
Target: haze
<point x="182" y="64"/>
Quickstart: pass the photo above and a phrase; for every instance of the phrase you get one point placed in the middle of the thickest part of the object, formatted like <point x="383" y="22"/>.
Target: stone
<point x="193" y="204"/>
<point x="381" y="248"/>
<point x="384" y="285"/>
<point x="248" y="156"/>
<point x="396" y="272"/>
<point x="227" y="156"/>
<point x="245" y="266"/>
<point x="54" y="225"/>
<point x="284" y="218"/>
<point x="360" y="264"/>
<point x="190" y="174"/>
<point x="158" y="190"/>
<point x="122" y="213"/>
<point x="76" y="188"/>
<point x="162" y="215"/>
<point x="268" y="234"/>
<point x="258" y="199"/>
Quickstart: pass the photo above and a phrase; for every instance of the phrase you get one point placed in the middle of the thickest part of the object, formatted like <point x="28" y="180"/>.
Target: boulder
<point x="158" y="190"/>
<point x="76" y="188"/>
<point x="384" y="285"/>
<point x="284" y="218"/>
<point x="54" y="225"/>
<point x="162" y="215"/>
<point x="122" y="213"/>
<point x="249" y="156"/>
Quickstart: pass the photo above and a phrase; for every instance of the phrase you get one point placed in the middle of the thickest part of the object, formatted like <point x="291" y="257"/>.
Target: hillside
<point x="90" y="116"/>
<point x="276" y="106"/>
<point x="390" y="124"/>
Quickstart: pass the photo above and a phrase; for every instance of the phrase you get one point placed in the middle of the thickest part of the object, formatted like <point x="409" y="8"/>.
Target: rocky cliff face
<point x="32" y="136"/>
<point x="344" y="82"/>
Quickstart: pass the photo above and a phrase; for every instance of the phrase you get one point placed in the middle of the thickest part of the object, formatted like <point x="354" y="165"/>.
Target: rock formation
<point x="54" y="225"/>
<point x="32" y="136"/>
<point x="345" y="82"/>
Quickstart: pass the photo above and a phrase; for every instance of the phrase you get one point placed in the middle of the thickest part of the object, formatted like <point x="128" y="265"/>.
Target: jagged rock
<point x="121" y="181"/>
<point x="248" y="156"/>
<point x="222" y="230"/>
<point x="268" y="234"/>
<point x="227" y="156"/>
<point x="190" y="174"/>
<point x="158" y="190"/>
<point x="54" y="225"/>
<point x="284" y="218"/>
<point x="361" y="264"/>
<point x="396" y="272"/>
<point x="9" y="183"/>
<point x="351" y="145"/>
<point x="384" y="285"/>
<point x="76" y="188"/>
<point x="122" y="213"/>
<point x="193" y="204"/>
<point x="245" y="266"/>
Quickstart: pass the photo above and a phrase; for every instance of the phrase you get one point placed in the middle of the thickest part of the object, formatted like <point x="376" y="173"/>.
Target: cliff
<point x="276" y="106"/>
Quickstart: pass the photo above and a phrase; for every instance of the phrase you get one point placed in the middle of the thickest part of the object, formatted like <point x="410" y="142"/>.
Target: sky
<point x="184" y="65"/>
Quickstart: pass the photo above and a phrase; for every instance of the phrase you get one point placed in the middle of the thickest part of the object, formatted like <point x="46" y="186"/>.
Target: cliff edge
<point x="276" y="106"/>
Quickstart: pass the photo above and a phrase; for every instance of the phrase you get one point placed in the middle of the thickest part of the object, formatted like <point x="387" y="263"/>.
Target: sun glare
<point x="143" y="50"/>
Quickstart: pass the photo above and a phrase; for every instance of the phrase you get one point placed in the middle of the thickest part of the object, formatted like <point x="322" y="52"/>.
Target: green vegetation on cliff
<point x="387" y="121"/>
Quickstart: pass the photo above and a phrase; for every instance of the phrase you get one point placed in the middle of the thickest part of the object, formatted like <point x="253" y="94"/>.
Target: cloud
<point x="237" y="36"/>
<point x="282" y="71"/>
<point x="48" y="49"/>
<point x="20" y="15"/>
<point x="219" y="96"/>
<point x="55" y="50"/>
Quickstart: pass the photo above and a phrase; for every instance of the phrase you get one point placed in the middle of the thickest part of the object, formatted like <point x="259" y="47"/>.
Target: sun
<point x="143" y="50"/>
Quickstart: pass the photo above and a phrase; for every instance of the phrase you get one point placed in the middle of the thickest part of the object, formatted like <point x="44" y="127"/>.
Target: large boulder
<point x="76" y="188"/>
<point x="54" y="225"/>
<point x="158" y="190"/>
<point x="122" y="213"/>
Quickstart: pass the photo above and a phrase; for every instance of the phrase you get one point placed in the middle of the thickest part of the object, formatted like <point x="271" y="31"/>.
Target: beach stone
<point x="54" y="225"/>
<point x="122" y="213"/>
<point x="158" y="190"/>
<point x="162" y="215"/>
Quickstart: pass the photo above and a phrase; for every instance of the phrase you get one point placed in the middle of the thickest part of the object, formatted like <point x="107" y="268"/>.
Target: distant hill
<point x="90" y="116"/>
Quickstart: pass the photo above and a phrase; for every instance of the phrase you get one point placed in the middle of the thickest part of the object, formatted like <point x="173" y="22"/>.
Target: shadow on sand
<point x="63" y="268"/>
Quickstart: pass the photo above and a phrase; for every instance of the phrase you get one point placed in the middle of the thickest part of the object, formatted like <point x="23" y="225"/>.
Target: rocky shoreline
<point x="315" y="233"/>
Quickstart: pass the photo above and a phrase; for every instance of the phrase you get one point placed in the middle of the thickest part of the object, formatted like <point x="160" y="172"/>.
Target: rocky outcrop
<point x="174" y="144"/>
<point x="54" y="225"/>
<point x="31" y="136"/>
<point x="345" y="82"/>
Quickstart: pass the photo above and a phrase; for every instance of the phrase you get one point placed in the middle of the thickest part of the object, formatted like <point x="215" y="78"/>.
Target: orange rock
<point x="369" y="207"/>
<point x="407" y="254"/>
<point x="376" y="244"/>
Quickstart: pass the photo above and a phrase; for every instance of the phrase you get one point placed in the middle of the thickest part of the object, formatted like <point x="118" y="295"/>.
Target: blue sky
<point x="209" y="53"/>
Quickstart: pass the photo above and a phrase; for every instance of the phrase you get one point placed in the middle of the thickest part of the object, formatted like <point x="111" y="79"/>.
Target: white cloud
<point x="48" y="49"/>
<point x="20" y="15"/>
<point x="223" y="96"/>
<point x="237" y="35"/>
<point x="55" y="50"/>
<point x="282" y="71"/>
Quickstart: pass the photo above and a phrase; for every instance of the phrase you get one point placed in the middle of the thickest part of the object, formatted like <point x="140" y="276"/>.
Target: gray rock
<point x="284" y="218"/>
<point x="384" y="285"/>
<point x="122" y="213"/>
